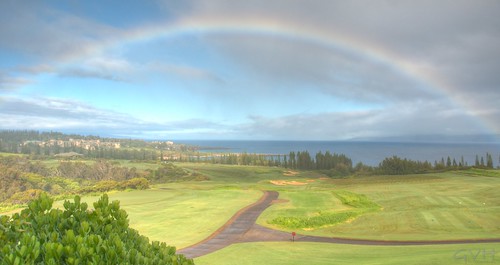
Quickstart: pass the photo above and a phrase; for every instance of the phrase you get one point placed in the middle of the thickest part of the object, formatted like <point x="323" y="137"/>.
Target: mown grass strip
<point x="359" y="203"/>
<point x="315" y="221"/>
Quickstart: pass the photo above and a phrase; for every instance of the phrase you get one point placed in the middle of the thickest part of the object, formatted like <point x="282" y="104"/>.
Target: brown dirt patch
<point x="290" y="173"/>
<point x="286" y="183"/>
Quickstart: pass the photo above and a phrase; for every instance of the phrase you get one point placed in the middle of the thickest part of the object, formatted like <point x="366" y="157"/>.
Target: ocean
<point x="369" y="153"/>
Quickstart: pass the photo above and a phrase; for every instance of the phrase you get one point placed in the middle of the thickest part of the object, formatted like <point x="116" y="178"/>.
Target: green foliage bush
<point x="42" y="235"/>
<point x="136" y="183"/>
<point x="105" y="185"/>
<point x="23" y="197"/>
<point x="172" y="173"/>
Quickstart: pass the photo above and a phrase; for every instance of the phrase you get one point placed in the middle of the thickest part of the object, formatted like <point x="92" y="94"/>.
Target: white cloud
<point x="9" y="82"/>
<point x="37" y="112"/>
<point x="63" y="114"/>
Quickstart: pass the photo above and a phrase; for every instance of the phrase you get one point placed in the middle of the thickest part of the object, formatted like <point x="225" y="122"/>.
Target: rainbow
<point x="294" y="31"/>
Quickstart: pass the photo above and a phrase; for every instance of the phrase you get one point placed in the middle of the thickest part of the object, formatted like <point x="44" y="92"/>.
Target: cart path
<point x="233" y="230"/>
<point x="242" y="228"/>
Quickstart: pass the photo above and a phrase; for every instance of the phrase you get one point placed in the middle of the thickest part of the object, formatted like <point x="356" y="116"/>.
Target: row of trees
<point x="294" y="160"/>
<point x="454" y="163"/>
<point x="339" y="164"/>
<point x="489" y="161"/>
<point x="399" y="166"/>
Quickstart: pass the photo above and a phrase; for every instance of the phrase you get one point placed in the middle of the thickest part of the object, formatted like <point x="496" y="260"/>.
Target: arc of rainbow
<point x="290" y="30"/>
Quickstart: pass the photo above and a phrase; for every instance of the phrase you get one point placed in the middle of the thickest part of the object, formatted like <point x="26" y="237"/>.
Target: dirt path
<point x="234" y="229"/>
<point x="242" y="228"/>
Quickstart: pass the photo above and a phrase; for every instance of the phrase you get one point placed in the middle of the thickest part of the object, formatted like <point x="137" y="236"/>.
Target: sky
<point x="251" y="70"/>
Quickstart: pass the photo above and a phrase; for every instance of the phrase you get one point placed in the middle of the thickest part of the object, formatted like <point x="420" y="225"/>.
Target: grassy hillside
<point x="449" y="205"/>
<point x="178" y="216"/>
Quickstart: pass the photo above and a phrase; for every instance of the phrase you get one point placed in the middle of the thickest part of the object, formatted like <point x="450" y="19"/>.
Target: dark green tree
<point x="489" y="160"/>
<point x="293" y="162"/>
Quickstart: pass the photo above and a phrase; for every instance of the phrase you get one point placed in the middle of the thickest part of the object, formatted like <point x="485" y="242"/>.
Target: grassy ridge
<point x="476" y="172"/>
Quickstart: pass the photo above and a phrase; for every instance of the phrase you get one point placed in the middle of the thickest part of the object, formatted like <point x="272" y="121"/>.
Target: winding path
<point x="242" y="228"/>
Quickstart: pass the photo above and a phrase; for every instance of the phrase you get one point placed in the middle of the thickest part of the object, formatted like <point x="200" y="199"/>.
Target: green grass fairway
<point x="320" y="253"/>
<point x="414" y="207"/>
<point x="180" y="217"/>
<point x="451" y="205"/>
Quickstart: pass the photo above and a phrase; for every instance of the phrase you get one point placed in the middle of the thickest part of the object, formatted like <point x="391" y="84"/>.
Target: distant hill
<point x="437" y="138"/>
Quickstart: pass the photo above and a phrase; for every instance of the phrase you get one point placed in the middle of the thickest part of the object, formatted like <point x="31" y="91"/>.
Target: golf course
<point x="451" y="217"/>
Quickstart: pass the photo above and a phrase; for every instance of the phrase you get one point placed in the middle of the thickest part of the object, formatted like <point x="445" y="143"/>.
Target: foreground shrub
<point x="42" y="235"/>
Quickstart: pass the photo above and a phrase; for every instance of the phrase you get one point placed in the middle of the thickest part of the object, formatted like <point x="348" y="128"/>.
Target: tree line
<point x="333" y="164"/>
<point x="301" y="160"/>
<point x="401" y="166"/>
